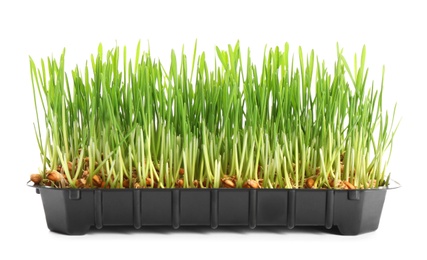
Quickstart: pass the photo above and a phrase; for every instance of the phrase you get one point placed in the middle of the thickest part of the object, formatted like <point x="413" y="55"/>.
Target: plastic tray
<point x="75" y="211"/>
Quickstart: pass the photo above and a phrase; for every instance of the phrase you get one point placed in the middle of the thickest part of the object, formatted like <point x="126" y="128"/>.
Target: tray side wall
<point x="76" y="211"/>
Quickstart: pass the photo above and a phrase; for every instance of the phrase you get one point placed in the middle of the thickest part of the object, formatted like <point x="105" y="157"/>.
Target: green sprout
<point x="123" y="123"/>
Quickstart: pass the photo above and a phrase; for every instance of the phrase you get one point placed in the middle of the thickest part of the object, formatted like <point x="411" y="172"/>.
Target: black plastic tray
<point x="75" y="211"/>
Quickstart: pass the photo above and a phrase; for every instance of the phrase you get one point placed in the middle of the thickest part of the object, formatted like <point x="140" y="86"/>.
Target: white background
<point x="393" y="32"/>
